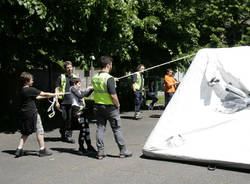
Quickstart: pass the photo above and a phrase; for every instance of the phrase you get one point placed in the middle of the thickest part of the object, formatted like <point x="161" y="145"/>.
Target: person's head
<point x="26" y="79"/>
<point x="76" y="82"/>
<point x="106" y="62"/>
<point x="68" y="67"/>
<point x="141" y="68"/>
<point x="170" y="72"/>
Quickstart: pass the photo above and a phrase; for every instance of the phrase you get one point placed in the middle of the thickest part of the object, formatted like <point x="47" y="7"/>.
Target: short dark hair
<point x="170" y="70"/>
<point x="74" y="80"/>
<point x="105" y="60"/>
<point x="25" y="77"/>
<point x="66" y="63"/>
<point x="139" y="66"/>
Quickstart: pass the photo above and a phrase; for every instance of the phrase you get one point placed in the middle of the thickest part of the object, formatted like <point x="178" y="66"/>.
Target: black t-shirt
<point x="66" y="97"/>
<point x="28" y="96"/>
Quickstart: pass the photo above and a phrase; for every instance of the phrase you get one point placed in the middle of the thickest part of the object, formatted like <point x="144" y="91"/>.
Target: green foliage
<point x="34" y="6"/>
<point x="42" y="34"/>
<point x="36" y="33"/>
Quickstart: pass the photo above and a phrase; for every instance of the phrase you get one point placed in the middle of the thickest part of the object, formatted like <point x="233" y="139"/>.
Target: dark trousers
<point x="153" y="98"/>
<point x="65" y="130"/>
<point x="168" y="97"/>
<point x="82" y="123"/>
<point x="138" y="100"/>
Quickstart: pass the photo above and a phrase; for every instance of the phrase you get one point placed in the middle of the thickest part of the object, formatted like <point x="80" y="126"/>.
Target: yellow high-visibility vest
<point x="138" y="83"/>
<point x="62" y="88"/>
<point x="101" y="95"/>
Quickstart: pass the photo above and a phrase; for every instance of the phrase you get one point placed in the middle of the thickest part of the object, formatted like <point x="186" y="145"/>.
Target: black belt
<point x="108" y="105"/>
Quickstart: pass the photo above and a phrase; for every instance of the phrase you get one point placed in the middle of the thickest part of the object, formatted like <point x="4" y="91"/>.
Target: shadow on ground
<point x="74" y="152"/>
<point x="127" y="117"/>
<point x="52" y="139"/>
<point x="209" y="166"/>
<point x="155" y="116"/>
<point x="26" y="152"/>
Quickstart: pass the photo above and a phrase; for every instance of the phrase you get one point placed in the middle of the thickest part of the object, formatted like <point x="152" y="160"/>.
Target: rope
<point x="168" y="62"/>
<point x="51" y="107"/>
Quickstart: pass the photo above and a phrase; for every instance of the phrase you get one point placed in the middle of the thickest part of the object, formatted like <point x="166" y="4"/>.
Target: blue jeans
<point x="138" y="100"/>
<point x="168" y="97"/>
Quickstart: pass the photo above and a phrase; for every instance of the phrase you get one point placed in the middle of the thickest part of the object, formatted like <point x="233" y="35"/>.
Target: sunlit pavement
<point x="65" y="166"/>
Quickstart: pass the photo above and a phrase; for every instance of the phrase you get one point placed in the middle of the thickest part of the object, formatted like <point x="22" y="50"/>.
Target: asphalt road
<point x="65" y="166"/>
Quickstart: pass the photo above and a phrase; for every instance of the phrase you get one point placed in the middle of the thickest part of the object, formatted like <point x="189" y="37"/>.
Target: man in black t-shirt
<point x="64" y="102"/>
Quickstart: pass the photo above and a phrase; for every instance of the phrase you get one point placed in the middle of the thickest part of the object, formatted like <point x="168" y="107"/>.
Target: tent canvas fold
<point x="205" y="122"/>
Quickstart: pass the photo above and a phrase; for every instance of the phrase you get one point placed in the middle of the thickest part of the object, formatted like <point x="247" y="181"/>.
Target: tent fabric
<point x="208" y="118"/>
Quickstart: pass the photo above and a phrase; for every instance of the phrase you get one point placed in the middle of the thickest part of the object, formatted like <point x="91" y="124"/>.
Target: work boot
<point x="44" y="152"/>
<point x="19" y="152"/>
<point x="68" y="140"/>
<point x="68" y="137"/>
<point x="62" y="133"/>
<point x="82" y="151"/>
<point x="91" y="149"/>
<point x="126" y="154"/>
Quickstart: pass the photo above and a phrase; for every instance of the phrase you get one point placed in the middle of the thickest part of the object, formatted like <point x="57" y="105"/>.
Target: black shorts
<point x="28" y="124"/>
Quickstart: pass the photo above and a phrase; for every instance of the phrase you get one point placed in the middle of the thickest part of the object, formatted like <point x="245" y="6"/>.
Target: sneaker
<point x="138" y="117"/>
<point x="19" y="152"/>
<point x="44" y="152"/>
<point x="68" y="140"/>
<point x="82" y="151"/>
<point x="100" y="157"/>
<point x="126" y="154"/>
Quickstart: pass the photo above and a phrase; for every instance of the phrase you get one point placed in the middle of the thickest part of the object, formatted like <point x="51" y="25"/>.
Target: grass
<point x="161" y="100"/>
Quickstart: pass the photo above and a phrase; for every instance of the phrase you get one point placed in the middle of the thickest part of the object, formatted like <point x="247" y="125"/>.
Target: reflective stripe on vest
<point x="138" y="83"/>
<point x="101" y="95"/>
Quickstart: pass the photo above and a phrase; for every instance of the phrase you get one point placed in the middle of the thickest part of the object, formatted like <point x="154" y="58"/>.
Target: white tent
<point x="208" y="118"/>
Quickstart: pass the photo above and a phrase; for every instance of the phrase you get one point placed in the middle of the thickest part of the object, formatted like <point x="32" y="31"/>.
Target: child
<point x="78" y="104"/>
<point x="29" y="117"/>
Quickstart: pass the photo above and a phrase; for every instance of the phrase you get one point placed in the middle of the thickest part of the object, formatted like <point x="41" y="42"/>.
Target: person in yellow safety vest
<point x="138" y="88"/>
<point x="65" y="101"/>
<point x="107" y="107"/>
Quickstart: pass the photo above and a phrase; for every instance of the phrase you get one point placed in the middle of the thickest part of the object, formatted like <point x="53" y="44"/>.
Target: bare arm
<point x="43" y="95"/>
<point x="115" y="100"/>
<point x="57" y="103"/>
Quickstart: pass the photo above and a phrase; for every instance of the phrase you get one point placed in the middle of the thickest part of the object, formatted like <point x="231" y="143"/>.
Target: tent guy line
<point x="156" y="66"/>
<point x="51" y="107"/>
